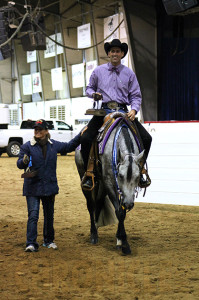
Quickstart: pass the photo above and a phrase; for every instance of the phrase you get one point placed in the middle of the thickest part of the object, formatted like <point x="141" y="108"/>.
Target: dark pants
<point x="145" y="137"/>
<point x="33" y="205"/>
<point x="92" y="131"/>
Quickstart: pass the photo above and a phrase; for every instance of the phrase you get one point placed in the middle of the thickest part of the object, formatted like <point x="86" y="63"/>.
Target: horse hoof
<point x="126" y="250"/>
<point x="94" y="239"/>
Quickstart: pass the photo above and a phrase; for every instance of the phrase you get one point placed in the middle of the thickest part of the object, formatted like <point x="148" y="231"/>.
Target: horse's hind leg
<point x="93" y="229"/>
<point x="122" y="242"/>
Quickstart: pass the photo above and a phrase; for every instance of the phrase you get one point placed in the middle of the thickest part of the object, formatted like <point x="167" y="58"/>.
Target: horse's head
<point x="128" y="176"/>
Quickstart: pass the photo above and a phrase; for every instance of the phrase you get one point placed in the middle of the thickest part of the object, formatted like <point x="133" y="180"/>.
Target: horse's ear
<point x="139" y="157"/>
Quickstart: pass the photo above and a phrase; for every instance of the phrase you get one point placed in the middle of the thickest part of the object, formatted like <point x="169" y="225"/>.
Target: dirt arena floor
<point x="164" y="240"/>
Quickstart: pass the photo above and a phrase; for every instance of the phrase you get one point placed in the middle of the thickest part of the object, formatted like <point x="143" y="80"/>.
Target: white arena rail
<point x="173" y="164"/>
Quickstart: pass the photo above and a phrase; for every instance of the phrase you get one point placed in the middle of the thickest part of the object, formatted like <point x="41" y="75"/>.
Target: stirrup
<point x="147" y="182"/>
<point x="88" y="174"/>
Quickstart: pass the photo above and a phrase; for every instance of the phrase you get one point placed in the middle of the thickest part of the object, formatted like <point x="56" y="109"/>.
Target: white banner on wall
<point x="90" y="66"/>
<point x="50" y="47"/>
<point x="110" y="23"/>
<point x="36" y="83"/>
<point x="84" y="36"/>
<point x="27" y="84"/>
<point x="78" y="76"/>
<point x="59" y="40"/>
<point x="57" y="79"/>
<point x="31" y="56"/>
<point x="122" y="27"/>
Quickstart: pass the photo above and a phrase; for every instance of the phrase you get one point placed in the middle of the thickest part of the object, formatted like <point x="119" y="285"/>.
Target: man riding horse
<point x="117" y="86"/>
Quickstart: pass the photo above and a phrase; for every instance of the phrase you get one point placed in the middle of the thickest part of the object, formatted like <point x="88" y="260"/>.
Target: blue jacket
<point x="45" y="182"/>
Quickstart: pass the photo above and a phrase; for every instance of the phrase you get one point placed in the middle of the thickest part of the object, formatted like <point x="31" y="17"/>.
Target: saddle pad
<point x="102" y="144"/>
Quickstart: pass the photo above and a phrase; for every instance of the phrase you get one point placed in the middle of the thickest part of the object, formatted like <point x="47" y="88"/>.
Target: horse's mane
<point x="128" y="140"/>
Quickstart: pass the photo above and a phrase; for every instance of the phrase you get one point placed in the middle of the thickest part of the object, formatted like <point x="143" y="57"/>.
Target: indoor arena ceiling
<point x="49" y="6"/>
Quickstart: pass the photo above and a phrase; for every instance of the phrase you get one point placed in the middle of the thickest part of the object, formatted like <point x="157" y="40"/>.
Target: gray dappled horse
<point x="115" y="189"/>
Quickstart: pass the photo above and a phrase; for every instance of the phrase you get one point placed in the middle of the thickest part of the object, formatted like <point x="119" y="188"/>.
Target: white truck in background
<point x="12" y="139"/>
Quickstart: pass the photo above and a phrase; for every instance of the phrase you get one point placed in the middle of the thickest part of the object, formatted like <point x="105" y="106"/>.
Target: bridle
<point x="115" y="165"/>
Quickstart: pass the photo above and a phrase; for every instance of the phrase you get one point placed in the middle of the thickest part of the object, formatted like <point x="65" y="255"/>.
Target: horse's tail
<point x="105" y="213"/>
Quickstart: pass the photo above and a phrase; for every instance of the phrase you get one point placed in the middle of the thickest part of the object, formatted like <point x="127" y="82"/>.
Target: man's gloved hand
<point x="26" y="159"/>
<point x="97" y="96"/>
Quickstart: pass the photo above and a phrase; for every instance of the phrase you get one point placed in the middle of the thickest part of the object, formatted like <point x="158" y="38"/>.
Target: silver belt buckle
<point x="112" y="105"/>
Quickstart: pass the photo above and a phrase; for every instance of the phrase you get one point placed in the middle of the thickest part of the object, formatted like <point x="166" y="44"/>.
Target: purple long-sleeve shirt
<point x="120" y="85"/>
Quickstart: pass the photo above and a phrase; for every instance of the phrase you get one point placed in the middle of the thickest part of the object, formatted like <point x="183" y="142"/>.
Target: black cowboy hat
<point x="116" y="43"/>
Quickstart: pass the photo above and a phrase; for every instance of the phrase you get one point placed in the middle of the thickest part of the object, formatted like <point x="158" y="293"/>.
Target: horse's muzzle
<point x="128" y="206"/>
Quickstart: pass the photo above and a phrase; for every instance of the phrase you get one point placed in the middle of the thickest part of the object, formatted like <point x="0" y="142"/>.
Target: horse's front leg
<point x="91" y="209"/>
<point x="122" y="242"/>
